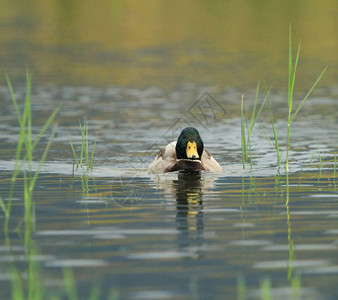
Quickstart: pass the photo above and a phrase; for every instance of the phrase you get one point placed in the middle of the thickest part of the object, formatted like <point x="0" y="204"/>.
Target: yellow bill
<point x="191" y="150"/>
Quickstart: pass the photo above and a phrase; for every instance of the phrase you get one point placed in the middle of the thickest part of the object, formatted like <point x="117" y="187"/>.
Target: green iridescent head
<point x="189" y="144"/>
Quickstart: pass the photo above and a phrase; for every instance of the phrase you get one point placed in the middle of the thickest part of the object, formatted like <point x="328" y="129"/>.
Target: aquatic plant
<point x="3" y="207"/>
<point x="292" y="116"/>
<point x="69" y="283"/>
<point x="311" y="157"/>
<point x="241" y="288"/>
<point x="28" y="286"/>
<point x="244" y="154"/>
<point x="95" y="291"/>
<point x="24" y="152"/>
<point x="246" y="144"/>
<point x="31" y="286"/>
<point x="276" y="145"/>
<point x="84" y="148"/>
<point x="320" y="162"/>
<point x="266" y="289"/>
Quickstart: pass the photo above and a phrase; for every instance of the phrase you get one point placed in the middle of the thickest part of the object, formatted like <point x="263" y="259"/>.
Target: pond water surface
<point x="178" y="236"/>
<point x="131" y="235"/>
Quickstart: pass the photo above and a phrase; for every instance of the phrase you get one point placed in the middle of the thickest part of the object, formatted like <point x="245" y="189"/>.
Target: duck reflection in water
<point x="189" y="216"/>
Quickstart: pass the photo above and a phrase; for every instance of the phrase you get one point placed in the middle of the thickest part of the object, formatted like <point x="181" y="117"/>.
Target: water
<point x="186" y="237"/>
<point x="173" y="236"/>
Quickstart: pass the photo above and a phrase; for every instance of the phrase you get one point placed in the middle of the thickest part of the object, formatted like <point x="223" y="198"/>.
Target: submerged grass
<point x="84" y="148"/>
<point x="29" y="285"/>
<point x="266" y="289"/>
<point x="95" y="290"/>
<point x="241" y="288"/>
<point x="70" y="284"/>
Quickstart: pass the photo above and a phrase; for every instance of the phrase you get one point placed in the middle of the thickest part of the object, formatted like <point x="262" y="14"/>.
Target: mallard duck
<point x="187" y="154"/>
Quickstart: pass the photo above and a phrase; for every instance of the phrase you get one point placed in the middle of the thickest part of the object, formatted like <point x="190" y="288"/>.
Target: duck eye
<point x="189" y="147"/>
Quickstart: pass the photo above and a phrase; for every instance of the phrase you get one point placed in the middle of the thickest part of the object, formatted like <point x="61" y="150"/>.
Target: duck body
<point x="186" y="154"/>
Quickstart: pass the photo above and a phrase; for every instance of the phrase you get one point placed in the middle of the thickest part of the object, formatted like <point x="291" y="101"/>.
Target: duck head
<point x="189" y="144"/>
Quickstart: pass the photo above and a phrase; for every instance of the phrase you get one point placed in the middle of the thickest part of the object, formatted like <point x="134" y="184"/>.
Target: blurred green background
<point x="225" y="44"/>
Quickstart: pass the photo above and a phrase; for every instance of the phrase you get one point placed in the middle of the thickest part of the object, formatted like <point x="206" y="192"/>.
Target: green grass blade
<point x="113" y="294"/>
<point x="241" y="289"/>
<point x="254" y="108"/>
<point x="21" y="142"/>
<point x="25" y="140"/>
<point x="69" y="283"/>
<point x="257" y="115"/>
<point x="28" y="212"/>
<point x="243" y="133"/>
<point x="309" y="93"/>
<point x="25" y="133"/>
<point x="33" y="218"/>
<point x="290" y="70"/>
<point x="266" y="289"/>
<point x="46" y="125"/>
<point x="290" y="100"/>
<point x="17" y="153"/>
<point x="267" y="137"/>
<point x="29" y="120"/>
<point x="17" y="285"/>
<point x="35" y="289"/>
<point x="73" y="173"/>
<point x="3" y="206"/>
<point x="10" y="87"/>
<point x="86" y="146"/>
<point x="92" y="155"/>
<point x="22" y="122"/>
<point x="274" y="129"/>
<point x="73" y="150"/>
<point x="82" y="145"/>
<point x="249" y="133"/>
<point x="95" y="291"/>
<point x="293" y="76"/>
<point x="260" y="109"/>
<point x="22" y="138"/>
<point x="42" y="160"/>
